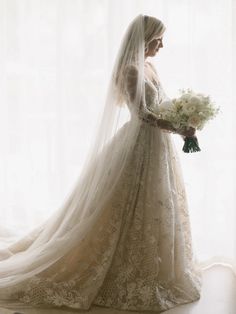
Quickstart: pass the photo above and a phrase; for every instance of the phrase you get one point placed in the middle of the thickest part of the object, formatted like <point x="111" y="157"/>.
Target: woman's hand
<point x="187" y="132"/>
<point x="167" y="126"/>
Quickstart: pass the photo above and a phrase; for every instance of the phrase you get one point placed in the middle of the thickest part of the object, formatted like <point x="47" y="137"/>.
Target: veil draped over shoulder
<point x="66" y="228"/>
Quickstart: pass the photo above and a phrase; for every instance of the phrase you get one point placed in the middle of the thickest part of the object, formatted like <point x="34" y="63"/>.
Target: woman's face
<point x="154" y="47"/>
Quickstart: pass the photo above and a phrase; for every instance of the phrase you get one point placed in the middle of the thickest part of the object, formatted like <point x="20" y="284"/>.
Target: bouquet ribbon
<point x="191" y="144"/>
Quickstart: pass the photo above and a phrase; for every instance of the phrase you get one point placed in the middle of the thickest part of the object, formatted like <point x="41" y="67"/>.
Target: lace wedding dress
<point x="138" y="255"/>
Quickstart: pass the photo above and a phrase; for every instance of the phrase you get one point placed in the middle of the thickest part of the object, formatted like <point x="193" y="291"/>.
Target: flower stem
<point x="191" y="145"/>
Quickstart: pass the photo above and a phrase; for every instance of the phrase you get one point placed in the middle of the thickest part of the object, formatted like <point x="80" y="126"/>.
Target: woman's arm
<point x="131" y="77"/>
<point x="166" y="125"/>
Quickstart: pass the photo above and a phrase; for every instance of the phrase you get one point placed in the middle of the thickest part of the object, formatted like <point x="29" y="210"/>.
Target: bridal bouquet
<point x="189" y="110"/>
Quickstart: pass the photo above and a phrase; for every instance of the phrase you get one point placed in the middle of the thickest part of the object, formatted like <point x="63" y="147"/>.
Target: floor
<point x="218" y="297"/>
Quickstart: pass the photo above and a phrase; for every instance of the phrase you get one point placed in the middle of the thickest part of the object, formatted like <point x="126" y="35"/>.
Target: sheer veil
<point x="108" y="154"/>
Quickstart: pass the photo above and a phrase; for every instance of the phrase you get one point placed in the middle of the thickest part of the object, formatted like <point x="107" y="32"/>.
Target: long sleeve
<point x="131" y="78"/>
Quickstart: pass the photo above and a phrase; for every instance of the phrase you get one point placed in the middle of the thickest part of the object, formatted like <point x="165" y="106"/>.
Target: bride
<point x="122" y="237"/>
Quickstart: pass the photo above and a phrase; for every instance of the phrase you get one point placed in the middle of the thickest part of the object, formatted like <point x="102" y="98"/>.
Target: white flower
<point x="186" y="96"/>
<point x="189" y="108"/>
<point x="194" y="121"/>
<point x="195" y="100"/>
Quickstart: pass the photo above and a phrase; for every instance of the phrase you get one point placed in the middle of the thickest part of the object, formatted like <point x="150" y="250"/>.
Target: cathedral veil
<point x="69" y="225"/>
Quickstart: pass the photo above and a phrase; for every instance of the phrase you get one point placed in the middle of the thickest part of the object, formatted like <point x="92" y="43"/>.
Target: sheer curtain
<point x="55" y="61"/>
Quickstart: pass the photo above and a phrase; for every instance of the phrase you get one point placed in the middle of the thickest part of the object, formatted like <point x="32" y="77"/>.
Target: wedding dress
<point x="138" y="255"/>
<point x="125" y="245"/>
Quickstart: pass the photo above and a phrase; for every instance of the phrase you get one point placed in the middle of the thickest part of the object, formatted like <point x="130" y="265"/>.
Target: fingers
<point x="190" y="132"/>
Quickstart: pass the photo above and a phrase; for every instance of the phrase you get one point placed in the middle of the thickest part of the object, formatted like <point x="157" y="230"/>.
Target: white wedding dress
<point x="138" y="254"/>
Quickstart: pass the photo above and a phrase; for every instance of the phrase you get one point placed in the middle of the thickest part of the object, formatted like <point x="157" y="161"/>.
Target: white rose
<point x="195" y="100"/>
<point x="185" y="98"/>
<point x="194" y="121"/>
<point x="189" y="108"/>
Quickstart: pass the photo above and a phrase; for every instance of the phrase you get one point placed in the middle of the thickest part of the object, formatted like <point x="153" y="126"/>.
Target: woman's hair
<point x="153" y="28"/>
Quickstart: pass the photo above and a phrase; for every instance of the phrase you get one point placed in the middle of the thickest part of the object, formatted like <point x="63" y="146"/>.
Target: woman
<point x="122" y="238"/>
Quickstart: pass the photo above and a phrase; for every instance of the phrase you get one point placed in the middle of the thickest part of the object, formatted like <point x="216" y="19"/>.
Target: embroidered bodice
<point x="154" y="95"/>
